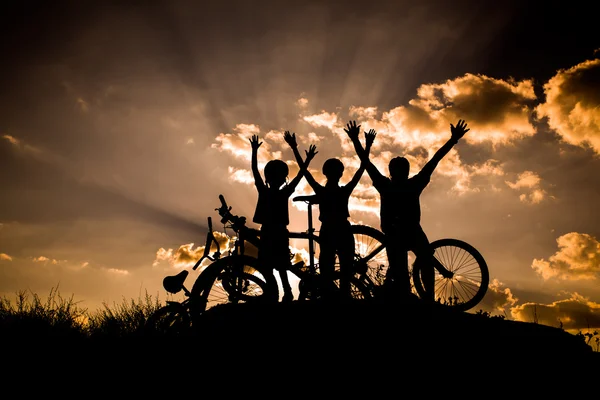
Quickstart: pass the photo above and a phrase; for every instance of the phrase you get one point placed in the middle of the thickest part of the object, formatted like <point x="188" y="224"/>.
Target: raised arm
<point x="310" y="154"/>
<point x="353" y="130"/>
<point x="458" y="132"/>
<point x="369" y="139"/>
<point x="290" y="138"/>
<point x="258" y="181"/>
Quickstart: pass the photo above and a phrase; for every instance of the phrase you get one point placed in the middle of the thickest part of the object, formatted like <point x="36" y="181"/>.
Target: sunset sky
<point x="122" y="122"/>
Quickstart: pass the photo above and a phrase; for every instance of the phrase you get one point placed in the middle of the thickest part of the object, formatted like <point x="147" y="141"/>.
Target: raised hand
<point x="310" y="153"/>
<point x="290" y="138"/>
<point x="460" y="129"/>
<point x="352" y="129"/>
<point x="254" y="142"/>
<point x="370" y="137"/>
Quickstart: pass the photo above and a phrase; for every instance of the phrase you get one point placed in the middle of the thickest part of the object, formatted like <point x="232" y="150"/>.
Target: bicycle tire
<point x="218" y="283"/>
<point x="171" y="320"/>
<point x="370" y="255"/>
<point x="470" y="279"/>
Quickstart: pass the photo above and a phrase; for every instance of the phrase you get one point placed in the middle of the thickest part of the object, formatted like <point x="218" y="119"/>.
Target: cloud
<point x="313" y="138"/>
<point x="45" y="260"/>
<point x="497" y="110"/>
<point x="530" y="181"/>
<point x="498" y="298"/>
<point x="302" y="102"/>
<point x="573" y="314"/>
<point x="324" y="119"/>
<point x="238" y="143"/>
<point x="572" y="105"/>
<point x="363" y="112"/>
<point x="578" y="258"/>
<point x="241" y="175"/>
<point x="186" y="255"/>
<point x="498" y="113"/>
<point x="14" y="141"/>
<point x="5" y="257"/>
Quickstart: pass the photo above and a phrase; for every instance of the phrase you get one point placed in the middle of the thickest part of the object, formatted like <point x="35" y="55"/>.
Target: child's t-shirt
<point x="272" y="207"/>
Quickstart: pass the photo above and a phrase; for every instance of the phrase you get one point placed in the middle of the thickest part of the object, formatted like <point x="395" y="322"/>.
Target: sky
<point x="122" y="122"/>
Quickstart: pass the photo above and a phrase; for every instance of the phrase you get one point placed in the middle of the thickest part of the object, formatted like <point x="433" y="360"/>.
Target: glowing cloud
<point x="578" y="258"/>
<point x="572" y="105"/>
<point x="498" y="298"/>
<point x="497" y="112"/>
<point x="14" y="141"/>
<point x="5" y="257"/>
<point x="575" y="313"/>
<point x="529" y="180"/>
<point x="302" y="102"/>
<point x="186" y="255"/>
<point x="328" y="120"/>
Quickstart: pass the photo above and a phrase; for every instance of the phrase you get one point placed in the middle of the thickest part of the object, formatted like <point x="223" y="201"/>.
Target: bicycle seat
<point x="174" y="284"/>
<point x="310" y="199"/>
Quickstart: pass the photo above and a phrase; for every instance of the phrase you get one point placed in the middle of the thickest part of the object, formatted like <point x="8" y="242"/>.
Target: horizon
<point x="121" y="124"/>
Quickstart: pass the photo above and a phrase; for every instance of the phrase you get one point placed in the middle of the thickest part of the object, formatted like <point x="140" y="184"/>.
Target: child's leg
<point x="327" y="247"/>
<point x="346" y="248"/>
<point x="425" y="258"/>
<point x="288" y="295"/>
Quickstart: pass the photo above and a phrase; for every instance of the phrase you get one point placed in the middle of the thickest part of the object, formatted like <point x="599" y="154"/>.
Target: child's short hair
<point x="333" y="168"/>
<point x="276" y="170"/>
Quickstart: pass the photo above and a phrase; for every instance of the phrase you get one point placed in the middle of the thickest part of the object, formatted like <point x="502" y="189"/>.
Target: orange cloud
<point x="498" y="298"/>
<point x="186" y="255"/>
<point x="302" y="102"/>
<point x="530" y="181"/>
<point x="5" y="257"/>
<point x="45" y="260"/>
<point x="578" y="258"/>
<point x="326" y="119"/>
<point x="241" y="175"/>
<point x="573" y="314"/>
<point x="497" y="111"/>
<point x="238" y="143"/>
<point x="14" y="141"/>
<point x="572" y="105"/>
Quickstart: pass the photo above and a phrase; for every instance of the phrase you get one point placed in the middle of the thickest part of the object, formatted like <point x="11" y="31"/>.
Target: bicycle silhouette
<point x="461" y="272"/>
<point x="238" y="277"/>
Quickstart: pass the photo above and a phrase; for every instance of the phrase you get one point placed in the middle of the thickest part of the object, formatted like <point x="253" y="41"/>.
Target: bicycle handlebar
<point x="310" y="199"/>
<point x="238" y="222"/>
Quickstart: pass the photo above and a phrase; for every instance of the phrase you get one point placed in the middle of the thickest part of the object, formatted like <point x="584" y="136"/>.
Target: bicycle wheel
<point x="469" y="278"/>
<point x="234" y="279"/>
<point x="170" y="320"/>
<point x="370" y="257"/>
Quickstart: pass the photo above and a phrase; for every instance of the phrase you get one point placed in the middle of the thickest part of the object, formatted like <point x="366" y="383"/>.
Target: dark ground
<point x="360" y="349"/>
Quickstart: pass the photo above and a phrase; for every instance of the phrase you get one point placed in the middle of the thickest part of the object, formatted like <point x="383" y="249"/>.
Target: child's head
<point x="333" y="169"/>
<point x="276" y="172"/>
<point x="399" y="168"/>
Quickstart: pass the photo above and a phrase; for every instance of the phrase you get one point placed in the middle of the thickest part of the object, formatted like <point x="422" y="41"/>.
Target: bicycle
<point x="304" y="264"/>
<point x="461" y="272"/>
<point x="239" y="278"/>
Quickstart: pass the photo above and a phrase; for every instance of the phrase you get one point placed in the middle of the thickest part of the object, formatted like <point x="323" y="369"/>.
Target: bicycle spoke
<point x="466" y="281"/>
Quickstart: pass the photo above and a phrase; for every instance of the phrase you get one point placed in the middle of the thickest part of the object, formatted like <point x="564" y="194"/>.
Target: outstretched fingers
<point x="352" y="129"/>
<point x="290" y="138"/>
<point x="255" y="142"/>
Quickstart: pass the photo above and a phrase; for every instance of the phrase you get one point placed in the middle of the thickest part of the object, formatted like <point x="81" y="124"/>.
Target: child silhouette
<point x="273" y="214"/>
<point x="335" y="236"/>
<point x="400" y="211"/>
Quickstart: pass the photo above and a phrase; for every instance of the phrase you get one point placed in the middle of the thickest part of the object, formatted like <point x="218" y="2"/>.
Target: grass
<point x="57" y="317"/>
<point x="30" y="317"/>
